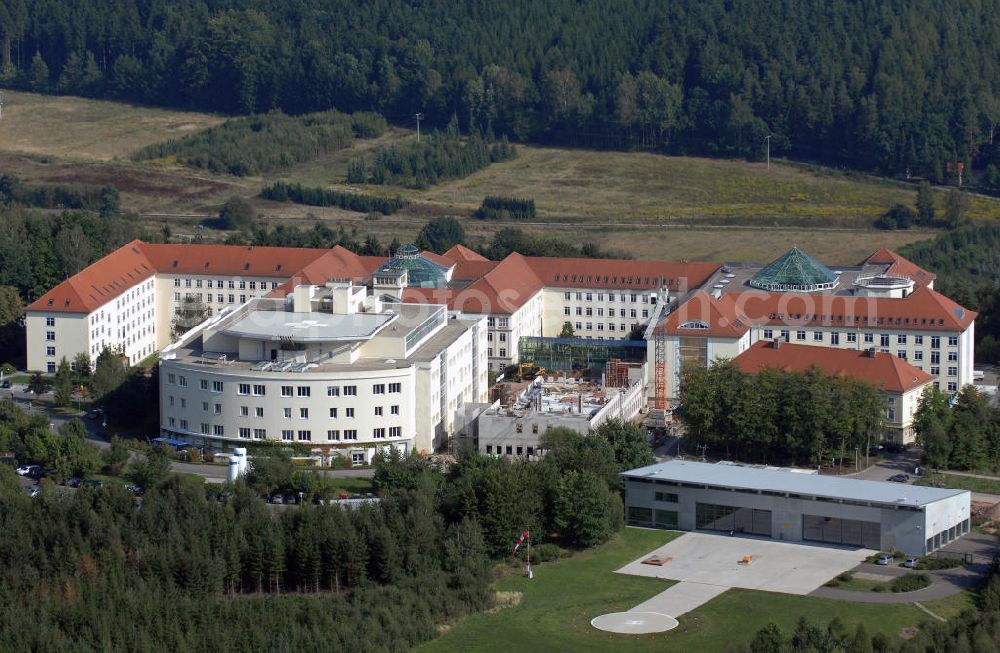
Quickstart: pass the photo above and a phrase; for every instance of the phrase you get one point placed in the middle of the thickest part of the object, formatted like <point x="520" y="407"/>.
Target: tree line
<point x="779" y="417"/>
<point x="265" y="143"/>
<point x="901" y="88"/>
<point x="495" y="207"/>
<point x="439" y="157"/>
<point x="101" y="199"/>
<point x="964" y="434"/>
<point x="967" y="264"/>
<point x="281" y="191"/>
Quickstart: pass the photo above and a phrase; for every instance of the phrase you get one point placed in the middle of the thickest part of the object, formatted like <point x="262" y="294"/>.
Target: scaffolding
<point x="568" y="355"/>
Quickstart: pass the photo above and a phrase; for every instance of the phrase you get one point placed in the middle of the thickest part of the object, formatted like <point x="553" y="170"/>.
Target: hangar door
<point x="712" y="517"/>
<point x="833" y="530"/>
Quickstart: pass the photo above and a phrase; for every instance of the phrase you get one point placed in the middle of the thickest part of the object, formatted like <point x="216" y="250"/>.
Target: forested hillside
<point x="893" y="86"/>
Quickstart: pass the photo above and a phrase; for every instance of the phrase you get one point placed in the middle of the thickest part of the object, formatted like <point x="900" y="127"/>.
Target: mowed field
<point x="80" y="128"/>
<point x="554" y="609"/>
<point x="641" y="204"/>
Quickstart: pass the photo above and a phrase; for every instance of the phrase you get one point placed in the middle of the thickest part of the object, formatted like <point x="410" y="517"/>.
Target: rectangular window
<point x="378" y="389"/>
<point x="952" y="386"/>
<point x="800" y="335"/>
<point x="50" y="336"/>
<point x="333" y="413"/>
<point x="204" y="406"/>
<point x="768" y="334"/>
<point x="184" y="424"/>
<point x="244" y="411"/>
<point x="566" y="310"/>
<point x="287" y="435"/>
<point x="258" y="390"/>
<point x="286" y="391"/>
<point x="883" y="340"/>
<point x="901" y="353"/>
<point x="918" y="355"/>
<point x="348" y="412"/>
<point x="869" y="338"/>
<point x="953" y="341"/>
<point x="901" y="339"/>
<point x="852" y="337"/>
<point x="203" y="384"/>
<point x="786" y="335"/>
<point x="666" y="496"/>
<point x="395" y="387"/>
<point x="817" y="336"/>
<point x="50" y="321"/>
<point x="918" y="340"/>
<point x="834" y="338"/>
<point x="303" y="413"/>
<point x="395" y="431"/>
<point x="333" y="391"/>
<point x="394" y="410"/>
<point x="952" y="371"/>
<point x="350" y="390"/>
<point x="286" y="413"/>
<point x="302" y="390"/>
<point x="218" y="429"/>
<point x="935" y="342"/>
<point x="243" y="389"/>
<point x="935" y="371"/>
<point x="204" y="428"/>
<point x="258" y="411"/>
<point x="50" y="351"/>
<point x="378" y="411"/>
<point x="357" y="458"/>
<point x="378" y="433"/>
<point x="218" y="409"/>
<point x="935" y="357"/>
<point x="259" y="434"/>
<point x="305" y="436"/>
<point x="333" y="434"/>
<point x="245" y="433"/>
<point x="182" y="381"/>
<point x="350" y="434"/>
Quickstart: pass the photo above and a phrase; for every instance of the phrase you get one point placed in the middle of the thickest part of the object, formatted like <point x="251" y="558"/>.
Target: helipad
<point x="634" y="623"/>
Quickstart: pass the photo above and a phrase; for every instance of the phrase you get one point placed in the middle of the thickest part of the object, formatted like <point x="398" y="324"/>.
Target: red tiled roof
<point x="472" y="270"/>
<point x="620" y="273"/>
<point x="443" y="261"/>
<point x="98" y="283"/>
<point x="901" y="266"/>
<point x="229" y="260"/>
<point x="503" y="289"/>
<point x="704" y="315"/>
<point x="336" y="263"/>
<point x="922" y="310"/>
<point x="463" y="253"/>
<point x="885" y="370"/>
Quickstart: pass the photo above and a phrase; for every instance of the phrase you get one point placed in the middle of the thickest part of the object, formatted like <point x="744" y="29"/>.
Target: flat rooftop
<point x="309" y="327"/>
<point x="806" y="485"/>
<point x="735" y="277"/>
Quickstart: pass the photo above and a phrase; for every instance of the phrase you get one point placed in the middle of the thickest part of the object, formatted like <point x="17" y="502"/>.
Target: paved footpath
<point x="683" y="597"/>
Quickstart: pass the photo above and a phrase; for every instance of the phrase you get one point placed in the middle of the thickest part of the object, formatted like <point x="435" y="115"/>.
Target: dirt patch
<point x="504" y="600"/>
<point x="908" y="632"/>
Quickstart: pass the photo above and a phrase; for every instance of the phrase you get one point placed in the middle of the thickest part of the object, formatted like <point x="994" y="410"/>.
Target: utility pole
<point x="419" y="117"/>
<point x="767" y="139"/>
<point x="1" y="106"/>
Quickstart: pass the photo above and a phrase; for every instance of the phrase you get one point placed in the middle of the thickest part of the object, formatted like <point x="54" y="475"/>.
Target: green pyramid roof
<point x="795" y="270"/>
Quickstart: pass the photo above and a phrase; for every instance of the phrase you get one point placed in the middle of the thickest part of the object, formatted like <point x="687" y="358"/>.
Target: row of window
<point x="600" y="312"/>
<point x="622" y="297"/>
<point x="259" y="390"/>
<point x="286" y="411"/>
<point x="231" y="284"/>
<point x="510" y="450"/>
<point x="869" y="338"/>
<point x="302" y="435"/>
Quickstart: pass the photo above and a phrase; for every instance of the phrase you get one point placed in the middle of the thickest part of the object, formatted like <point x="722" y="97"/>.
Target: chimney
<point x="870" y="352"/>
<point x="776" y="343"/>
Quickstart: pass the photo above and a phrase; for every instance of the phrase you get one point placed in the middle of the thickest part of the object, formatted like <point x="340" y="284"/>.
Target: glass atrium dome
<point x="421" y="272"/>
<point x="795" y="271"/>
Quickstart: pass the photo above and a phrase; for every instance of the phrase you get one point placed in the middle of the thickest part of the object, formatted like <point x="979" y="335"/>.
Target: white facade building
<point x="328" y="368"/>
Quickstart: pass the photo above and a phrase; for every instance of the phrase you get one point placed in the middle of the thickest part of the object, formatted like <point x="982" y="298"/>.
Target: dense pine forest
<point x="893" y="86"/>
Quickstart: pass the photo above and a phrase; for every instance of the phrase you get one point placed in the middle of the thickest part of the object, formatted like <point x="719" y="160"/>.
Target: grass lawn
<point x="984" y="485"/>
<point x="557" y="605"/>
<point x="353" y="485"/>
<point x="864" y="584"/>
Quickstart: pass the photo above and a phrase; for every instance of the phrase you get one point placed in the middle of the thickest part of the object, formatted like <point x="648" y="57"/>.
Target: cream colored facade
<point x="598" y="313"/>
<point x="329" y="369"/>
<point x="127" y="322"/>
<point x="506" y="330"/>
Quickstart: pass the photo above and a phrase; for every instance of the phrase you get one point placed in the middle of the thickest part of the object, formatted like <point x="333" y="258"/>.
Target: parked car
<point x="96" y="413"/>
<point x="74" y="482"/>
<point x="134" y="489"/>
<point x="92" y="483"/>
<point x="25" y="470"/>
<point x="277" y="499"/>
<point x="5" y="384"/>
<point x="884" y="559"/>
<point x="36" y="472"/>
<point x="34" y="491"/>
<point x="900" y="478"/>
<point x="911" y="562"/>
